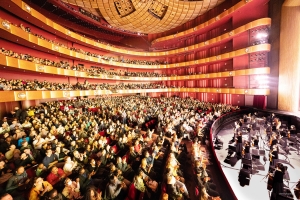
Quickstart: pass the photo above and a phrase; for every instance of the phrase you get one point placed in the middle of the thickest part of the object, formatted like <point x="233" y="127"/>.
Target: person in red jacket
<point x="56" y="175"/>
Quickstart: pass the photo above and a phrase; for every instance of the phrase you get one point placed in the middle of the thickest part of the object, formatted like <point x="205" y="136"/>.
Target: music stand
<point x="248" y="163"/>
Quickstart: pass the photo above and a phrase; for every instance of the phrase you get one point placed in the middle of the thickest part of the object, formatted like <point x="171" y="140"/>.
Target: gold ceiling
<point x="147" y="16"/>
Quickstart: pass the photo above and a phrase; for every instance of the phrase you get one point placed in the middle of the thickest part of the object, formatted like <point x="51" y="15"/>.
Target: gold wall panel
<point x="46" y="94"/>
<point x="289" y="58"/>
<point x="259" y="22"/>
<point x="34" y="95"/>
<point x="6" y="96"/>
<point x="56" y="94"/>
<point x="33" y="39"/>
<point x="10" y="61"/>
<point x="51" y="70"/>
<point x="23" y="64"/>
<point x="3" y="60"/>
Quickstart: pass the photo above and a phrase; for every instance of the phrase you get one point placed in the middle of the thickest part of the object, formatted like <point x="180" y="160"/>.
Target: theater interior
<point x="149" y="99"/>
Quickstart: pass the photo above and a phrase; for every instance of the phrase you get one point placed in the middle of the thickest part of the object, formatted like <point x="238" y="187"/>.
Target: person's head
<point x="57" y="150"/>
<point x="81" y="171"/>
<point x="20" y="170"/>
<point x="68" y="159"/>
<point x="38" y="181"/>
<point x="6" y="196"/>
<point x="23" y="156"/>
<point x="12" y="147"/>
<point x="41" y="166"/>
<point x="68" y="182"/>
<point x="2" y="164"/>
<point x="146" y="154"/>
<point x="49" y="152"/>
<point x="52" y="194"/>
<point x="119" y="159"/>
<point x="92" y="162"/>
<point x="112" y="179"/>
<point x="54" y="170"/>
<point x="112" y="168"/>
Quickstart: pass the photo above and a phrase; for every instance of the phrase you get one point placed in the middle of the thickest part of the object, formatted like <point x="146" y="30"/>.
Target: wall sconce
<point x="21" y="95"/>
<point x="6" y="25"/>
<point x="27" y="8"/>
<point x="246" y="91"/>
<point x="230" y="73"/>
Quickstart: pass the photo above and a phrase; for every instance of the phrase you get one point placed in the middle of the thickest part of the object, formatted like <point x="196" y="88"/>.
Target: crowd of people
<point x="104" y="147"/>
<point x="30" y="85"/>
<point x="88" y="14"/>
<point x="92" y="71"/>
<point x="78" y="50"/>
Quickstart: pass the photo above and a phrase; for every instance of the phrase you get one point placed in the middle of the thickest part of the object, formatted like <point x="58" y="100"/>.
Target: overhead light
<point x="27" y="8"/>
<point x="261" y="35"/>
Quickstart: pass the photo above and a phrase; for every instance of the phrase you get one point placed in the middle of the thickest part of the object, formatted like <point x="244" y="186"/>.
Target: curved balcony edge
<point x="7" y="96"/>
<point x="34" y="67"/>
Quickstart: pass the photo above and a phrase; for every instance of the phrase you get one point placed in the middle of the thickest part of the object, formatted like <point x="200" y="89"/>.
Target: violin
<point x="271" y="140"/>
<point x="270" y="155"/>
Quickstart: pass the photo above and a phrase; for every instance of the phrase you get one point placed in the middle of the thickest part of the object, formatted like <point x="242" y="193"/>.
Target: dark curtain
<point x="259" y="101"/>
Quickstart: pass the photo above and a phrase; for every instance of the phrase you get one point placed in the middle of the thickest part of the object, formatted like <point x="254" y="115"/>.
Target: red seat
<point x="126" y="156"/>
<point x="163" y="188"/>
<point x="102" y="133"/>
<point x="132" y="192"/>
<point x="108" y="140"/>
<point x="115" y="149"/>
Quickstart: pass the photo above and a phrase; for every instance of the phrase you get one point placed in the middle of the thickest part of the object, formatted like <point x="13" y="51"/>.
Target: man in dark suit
<point x="84" y="179"/>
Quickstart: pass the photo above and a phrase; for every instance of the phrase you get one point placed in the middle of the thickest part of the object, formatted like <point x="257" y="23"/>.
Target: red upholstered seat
<point x="132" y="192"/>
<point x="108" y="140"/>
<point x="102" y="133"/>
<point x="115" y="149"/>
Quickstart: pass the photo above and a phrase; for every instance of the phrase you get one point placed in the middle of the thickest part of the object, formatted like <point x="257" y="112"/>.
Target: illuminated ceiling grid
<point x="141" y="20"/>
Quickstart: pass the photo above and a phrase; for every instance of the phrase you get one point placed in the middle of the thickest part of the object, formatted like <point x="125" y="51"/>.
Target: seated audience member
<point x="69" y="166"/>
<point x="25" y="160"/>
<point x="210" y="188"/>
<point x="92" y="194"/>
<point x="71" y="189"/>
<point x="18" y="183"/>
<point x="56" y="176"/>
<point x="13" y="153"/>
<point x="59" y="153"/>
<point x="114" y="188"/>
<point x="50" y="159"/>
<point x="7" y="196"/>
<point x="54" y="195"/>
<point x="84" y="179"/>
<point x="176" y="189"/>
<point x="41" y="170"/>
<point x="4" y="172"/>
<point x="39" y="189"/>
<point x="138" y="181"/>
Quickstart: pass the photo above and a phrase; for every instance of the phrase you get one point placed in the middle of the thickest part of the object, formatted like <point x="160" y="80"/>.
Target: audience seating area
<point x="114" y="147"/>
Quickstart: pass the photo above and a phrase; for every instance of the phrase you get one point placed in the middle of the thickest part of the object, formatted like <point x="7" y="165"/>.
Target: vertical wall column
<point x="289" y="57"/>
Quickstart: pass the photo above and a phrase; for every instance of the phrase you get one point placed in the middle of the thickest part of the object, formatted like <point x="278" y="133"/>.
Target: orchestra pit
<point x="149" y="99"/>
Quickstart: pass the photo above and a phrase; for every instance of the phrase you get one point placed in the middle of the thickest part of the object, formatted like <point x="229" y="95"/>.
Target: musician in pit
<point x="246" y="151"/>
<point x="277" y="181"/>
<point x="239" y="144"/>
<point x="274" y="150"/>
